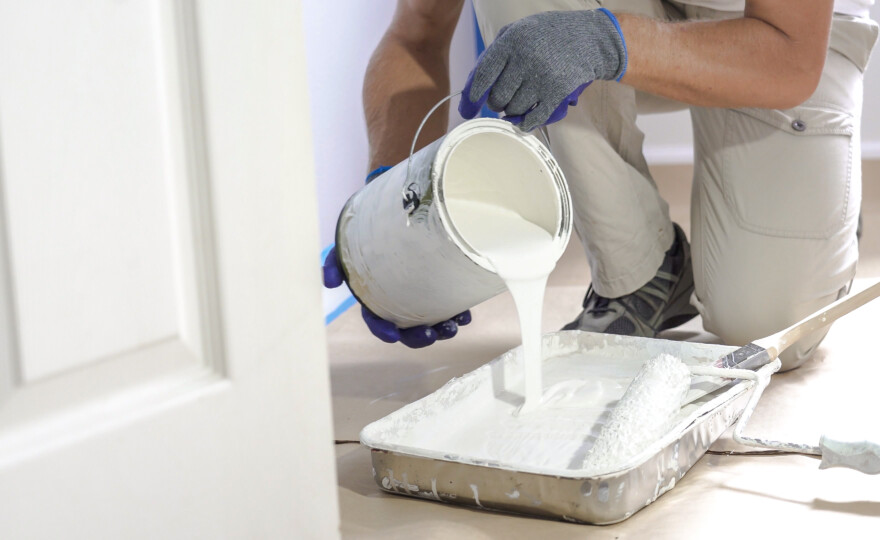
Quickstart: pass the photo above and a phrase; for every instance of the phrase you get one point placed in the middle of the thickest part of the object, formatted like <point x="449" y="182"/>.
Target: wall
<point x="339" y="43"/>
<point x="668" y="136"/>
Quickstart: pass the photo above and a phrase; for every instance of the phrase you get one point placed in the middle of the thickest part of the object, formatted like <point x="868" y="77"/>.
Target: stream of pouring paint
<point x="523" y="255"/>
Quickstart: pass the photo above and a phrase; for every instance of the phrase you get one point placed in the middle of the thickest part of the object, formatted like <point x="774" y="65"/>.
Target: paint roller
<point x="642" y="415"/>
<point x="651" y="402"/>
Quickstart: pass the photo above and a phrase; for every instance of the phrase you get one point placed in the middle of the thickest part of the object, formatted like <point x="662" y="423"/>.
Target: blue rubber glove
<point x="415" y="337"/>
<point x="538" y="66"/>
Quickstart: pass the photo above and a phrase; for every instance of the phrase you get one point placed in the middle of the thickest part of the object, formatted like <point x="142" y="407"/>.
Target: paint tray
<point x="456" y="444"/>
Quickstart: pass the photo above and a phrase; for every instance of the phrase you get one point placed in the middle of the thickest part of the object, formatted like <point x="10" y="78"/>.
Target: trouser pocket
<point x="788" y="173"/>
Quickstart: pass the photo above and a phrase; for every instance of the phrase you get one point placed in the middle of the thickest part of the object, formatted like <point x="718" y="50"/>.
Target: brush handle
<point x="780" y="341"/>
<point x="862" y="456"/>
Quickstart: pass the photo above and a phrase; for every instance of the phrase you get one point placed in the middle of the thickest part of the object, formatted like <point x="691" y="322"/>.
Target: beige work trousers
<point x="776" y="193"/>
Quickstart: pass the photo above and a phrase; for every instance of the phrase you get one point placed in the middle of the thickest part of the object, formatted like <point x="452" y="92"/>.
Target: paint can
<point x="400" y="251"/>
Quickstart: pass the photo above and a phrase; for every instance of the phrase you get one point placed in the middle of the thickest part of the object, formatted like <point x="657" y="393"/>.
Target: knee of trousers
<point x="741" y="318"/>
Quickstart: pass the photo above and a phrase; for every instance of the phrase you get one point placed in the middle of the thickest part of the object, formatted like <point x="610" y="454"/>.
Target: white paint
<point x="585" y="375"/>
<point x="553" y="436"/>
<point x="852" y="452"/>
<point x="511" y="208"/>
<point x="523" y="255"/>
<point x="476" y="495"/>
<point x="643" y="414"/>
<point x="579" y="393"/>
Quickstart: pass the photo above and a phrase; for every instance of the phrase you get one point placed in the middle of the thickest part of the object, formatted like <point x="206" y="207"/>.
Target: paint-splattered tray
<point x="443" y="447"/>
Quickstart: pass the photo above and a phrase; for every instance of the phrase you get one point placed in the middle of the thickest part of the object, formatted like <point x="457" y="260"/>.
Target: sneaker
<point x="662" y="303"/>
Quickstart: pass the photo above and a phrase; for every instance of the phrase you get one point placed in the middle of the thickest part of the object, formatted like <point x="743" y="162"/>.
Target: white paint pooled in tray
<point x="464" y="444"/>
<point x="472" y="419"/>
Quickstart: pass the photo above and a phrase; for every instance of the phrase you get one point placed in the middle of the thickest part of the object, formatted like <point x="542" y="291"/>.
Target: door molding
<point x="190" y="182"/>
<point x="41" y="415"/>
<point x="10" y="373"/>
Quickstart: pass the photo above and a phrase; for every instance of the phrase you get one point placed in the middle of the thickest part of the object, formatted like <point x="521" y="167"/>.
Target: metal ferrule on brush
<point x="749" y="356"/>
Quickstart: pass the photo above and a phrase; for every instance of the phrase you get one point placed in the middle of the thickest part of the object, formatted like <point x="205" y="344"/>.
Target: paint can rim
<point x="530" y="143"/>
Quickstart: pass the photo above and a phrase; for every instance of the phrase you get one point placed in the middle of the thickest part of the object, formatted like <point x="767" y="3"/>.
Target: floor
<point x="722" y="496"/>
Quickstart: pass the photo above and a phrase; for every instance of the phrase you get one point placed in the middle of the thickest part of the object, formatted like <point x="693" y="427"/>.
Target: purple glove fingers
<point x="418" y="336"/>
<point x="446" y="329"/>
<point x="331" y="270"/>
<point x="463" y="318"/>
<point x="469" y="109"/>
<point x="570" y="101"/>
<point x="479" y="83"/>
<point x="382" y="329"/>
<point x="541" y="115"/>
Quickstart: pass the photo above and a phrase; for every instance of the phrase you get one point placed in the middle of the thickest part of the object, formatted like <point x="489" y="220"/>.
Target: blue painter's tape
<point x="345" y="304"/>
<point x="325" y="251"/>
<point x="342" y="308"/>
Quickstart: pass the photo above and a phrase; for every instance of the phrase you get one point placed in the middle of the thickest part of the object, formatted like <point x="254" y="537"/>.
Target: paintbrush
<point x="763" y="351"/>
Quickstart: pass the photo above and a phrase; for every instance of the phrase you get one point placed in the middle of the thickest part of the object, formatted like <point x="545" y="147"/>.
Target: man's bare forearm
<point x="399" y="89"/>
<point x="407" y="74"/>
<point x="771" y="58"/>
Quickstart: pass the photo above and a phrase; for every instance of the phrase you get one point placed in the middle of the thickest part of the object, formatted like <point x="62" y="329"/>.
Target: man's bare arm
<point x="407" y="74"/>
<point x="772" y="57"/>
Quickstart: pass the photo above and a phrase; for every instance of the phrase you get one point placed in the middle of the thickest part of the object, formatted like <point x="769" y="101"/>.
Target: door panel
<point x="111" y="274"/>
<point x="87" y="223"/>
<point x="162" y="360"/>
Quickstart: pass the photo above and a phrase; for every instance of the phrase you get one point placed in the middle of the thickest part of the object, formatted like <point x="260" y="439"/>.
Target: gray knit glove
<point x="539" y="65"/>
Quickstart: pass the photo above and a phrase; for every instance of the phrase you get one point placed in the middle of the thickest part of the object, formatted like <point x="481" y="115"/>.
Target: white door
<point x="162" y="361"/>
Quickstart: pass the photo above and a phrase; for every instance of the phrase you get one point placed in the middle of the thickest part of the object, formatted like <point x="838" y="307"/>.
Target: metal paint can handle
<point x="410" y="197"/>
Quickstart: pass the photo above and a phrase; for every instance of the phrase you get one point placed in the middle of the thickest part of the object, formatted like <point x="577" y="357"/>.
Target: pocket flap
<point x="806" y="119"/>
